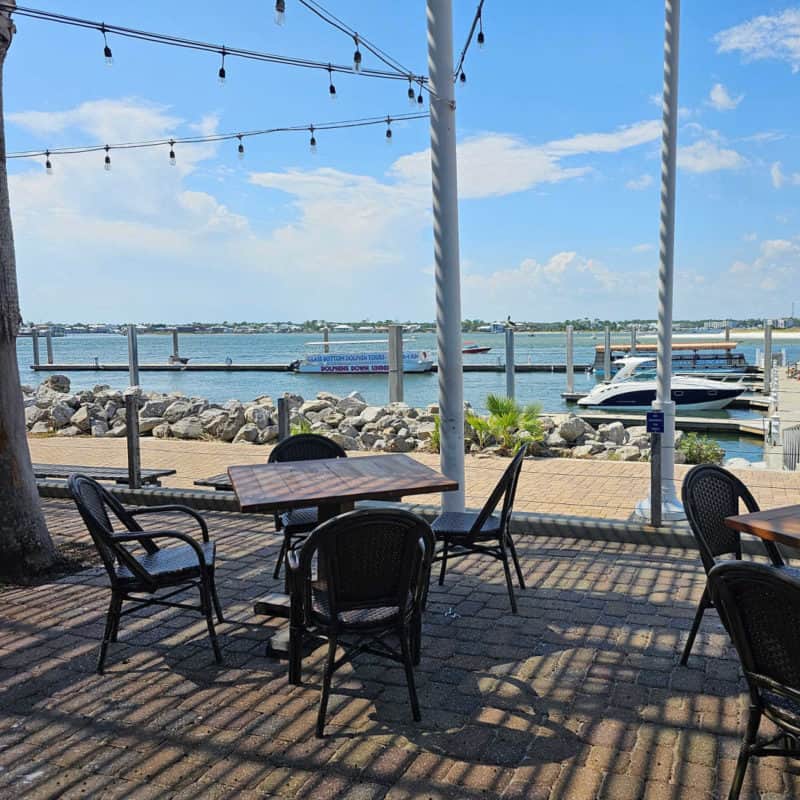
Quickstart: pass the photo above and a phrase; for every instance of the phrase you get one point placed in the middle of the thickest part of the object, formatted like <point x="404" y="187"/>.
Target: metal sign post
<point x="655" y="427"/>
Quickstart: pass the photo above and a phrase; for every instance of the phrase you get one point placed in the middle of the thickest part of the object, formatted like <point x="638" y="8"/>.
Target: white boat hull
<point x="688" y="394"/>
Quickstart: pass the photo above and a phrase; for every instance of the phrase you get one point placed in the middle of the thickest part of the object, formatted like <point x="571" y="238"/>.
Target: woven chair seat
<point x="359" y="618"/>
<point x="784" y="708"/>
<point x="459" y="523"/>
<point x="300" y="520"/>
<point x="170" y="563"/>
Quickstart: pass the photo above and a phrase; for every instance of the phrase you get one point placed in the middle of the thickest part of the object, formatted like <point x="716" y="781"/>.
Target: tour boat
<point x="634" y="387"/>
<point x="470" y="348"/>
<point x="359" y="357"/>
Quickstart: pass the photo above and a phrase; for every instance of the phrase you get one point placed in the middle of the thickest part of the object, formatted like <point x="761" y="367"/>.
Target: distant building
<point x="783" y="322"/>
<point x="717" y="324"/>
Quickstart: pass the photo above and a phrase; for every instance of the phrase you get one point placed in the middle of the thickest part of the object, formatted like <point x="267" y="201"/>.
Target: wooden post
<point x="633" y="341"/>
<point x="326" y="333"/>
<point x="49" y="341"/>
<point x="175" y="349"/>
<point x="570" y="361"/>
<point x="35" y="340"/>
<point x="510" y="388"/>
<point x="133" y="356"/>
<point x="395" y="363"/>
<point x="768" y="356"/>
<point x="607" y="355"/>
<point x="727" y="332"/>
<point x="283" y="419"/>
<point x="132" y="437"/>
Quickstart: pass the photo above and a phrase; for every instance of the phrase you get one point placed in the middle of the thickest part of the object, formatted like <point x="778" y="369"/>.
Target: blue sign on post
<point x="655" y="422"/>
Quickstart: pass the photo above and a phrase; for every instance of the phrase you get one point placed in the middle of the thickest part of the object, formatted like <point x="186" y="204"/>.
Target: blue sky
<point x="559" y="136"/>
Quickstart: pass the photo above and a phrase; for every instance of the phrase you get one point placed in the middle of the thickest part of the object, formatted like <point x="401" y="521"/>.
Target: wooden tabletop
<point x="331" y="481"/>
<point x="780" y="525"/>
<point x="118" y="474"/>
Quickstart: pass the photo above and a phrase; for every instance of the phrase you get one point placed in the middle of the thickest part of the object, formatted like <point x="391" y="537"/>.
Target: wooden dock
<point x="748" y="427"/>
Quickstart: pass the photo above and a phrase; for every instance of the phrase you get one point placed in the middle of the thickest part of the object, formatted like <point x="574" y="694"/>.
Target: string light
<point x="312" y="143"/>
<point x="175" y="41"/>
<point x="388" y="130"/>
<point x="356" y="56"/>
<point x="412" y="99"/>
<point x="107" y="54"/>
<point x="214" y="138"/>
<point x="280" y="12"/>
<point x="477" y="23"/>
<point x="221" y="74"/>
<point x="107" y="162"/>
<point x="48" y="166"/>
<point x="420" y="99"/>
<point x="331" y="87"/>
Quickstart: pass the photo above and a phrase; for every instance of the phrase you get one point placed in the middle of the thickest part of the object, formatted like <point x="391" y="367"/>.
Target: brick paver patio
<point x="580" y="696"/>
<point x="584" y="488"/>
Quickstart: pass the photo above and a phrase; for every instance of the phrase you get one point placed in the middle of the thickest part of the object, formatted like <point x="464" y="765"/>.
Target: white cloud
<point x="749" y="237"/>
<point x="642" y="182"/>
<point x="780" y="178"/>
<point x="645" y="247"/>
<point x="775" y="37"/>
<point x="777" y="267"/>
<point x="708" y="156"/>
<point x="720" y="99"/>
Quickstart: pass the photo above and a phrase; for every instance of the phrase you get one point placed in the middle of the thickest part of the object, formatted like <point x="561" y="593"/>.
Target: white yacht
<point x="634" y="386"/>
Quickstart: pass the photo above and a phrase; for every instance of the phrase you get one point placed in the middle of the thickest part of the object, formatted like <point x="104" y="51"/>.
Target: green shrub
<point x="436" y="434"/>
<point x="700" y="449"/>
<point x="482" y="428"/>
<point x="301" y="426"/>
<point x="507" y="418"/>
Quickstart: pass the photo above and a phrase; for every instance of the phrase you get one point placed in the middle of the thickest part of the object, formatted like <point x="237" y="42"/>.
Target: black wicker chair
<point x="484" y="532"/>
<point x="363" y="575"/>
<point x="760" y="606"/>
<point x="711" y="493"/>
<point x="141" y="578"/>
<point x="299" y="522"/>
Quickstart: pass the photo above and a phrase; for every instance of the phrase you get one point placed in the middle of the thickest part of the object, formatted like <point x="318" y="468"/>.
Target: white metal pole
<point x="510" y="363"/>
<point x="570" y="364"/>
<point x="445" y="238"/>
<point x="671" y="506"/>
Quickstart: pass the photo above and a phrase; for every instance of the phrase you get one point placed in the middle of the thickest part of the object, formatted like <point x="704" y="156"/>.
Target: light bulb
<point x="388" y="130"/>
<point x="240" y="149"/>
<point x="420" y="98"/>
<point x="221" y="76"/>
<point x="463" y="76"/>
<point x="356" y="57"/>
<point x="331" y="87"/>
<point x="280" y="12"/>
<point x="411" y="96"/>
<point x="107" y="162"/>
<point x="312" y="143"/>
<point x="481" y="39"/>
<point x="48" y="167"/>
<point x="108" y="56"/>
<point x="172" y="160"/>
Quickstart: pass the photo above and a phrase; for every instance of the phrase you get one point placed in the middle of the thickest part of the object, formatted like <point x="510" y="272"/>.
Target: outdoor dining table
<point x="781" y="525"/>
<point x="333" y="485"/>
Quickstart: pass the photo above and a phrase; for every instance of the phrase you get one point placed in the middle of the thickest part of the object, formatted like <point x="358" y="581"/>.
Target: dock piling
<point x="767" y="356"/>
<point x="607" y="354"/>
<point x="326" y="334"/>
<point x="49" y="341"/>
<point x="132" y="438"/>
<point x="133" y="356"/>
<point x="510" y="388"/>
<point x="175" y="348"/>
<point x="633" y="340"/>
<point x="35" y="341"/>
<point x="283" y="419"/>
<point x="395" y="363"/>
<point x="570" y="360"/>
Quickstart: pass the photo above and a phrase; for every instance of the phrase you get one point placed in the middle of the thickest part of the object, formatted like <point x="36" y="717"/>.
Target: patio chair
<point x="141" y="578"/>
<point x="372" y="567"/>
<point x="711" y="493"/>
<point x="299" y="522"/>
<point x="761" y="609"/>
<point x="484" y="532"/>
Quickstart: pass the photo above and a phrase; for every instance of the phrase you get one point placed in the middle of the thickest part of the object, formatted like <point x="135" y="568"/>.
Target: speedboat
<point x="471" y="348"/>
<point x="635" y="387"/>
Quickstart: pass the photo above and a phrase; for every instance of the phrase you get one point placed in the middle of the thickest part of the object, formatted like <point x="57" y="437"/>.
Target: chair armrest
<point x="174" y="509"/>
<point x="137" y="536"/>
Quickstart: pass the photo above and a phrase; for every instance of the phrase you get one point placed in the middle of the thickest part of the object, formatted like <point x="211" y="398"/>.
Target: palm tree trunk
<point x="25" y="544"/>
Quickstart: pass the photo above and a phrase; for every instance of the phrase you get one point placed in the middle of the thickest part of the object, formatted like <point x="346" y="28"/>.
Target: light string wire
<point x="218" y="137"/>
<point x="191" y="44"/>
<point x="476" y="20"/>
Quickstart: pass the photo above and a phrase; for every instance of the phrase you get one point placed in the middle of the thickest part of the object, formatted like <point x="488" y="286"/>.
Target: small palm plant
<point x="482" y="428"/>
<point x="507" y="418"/>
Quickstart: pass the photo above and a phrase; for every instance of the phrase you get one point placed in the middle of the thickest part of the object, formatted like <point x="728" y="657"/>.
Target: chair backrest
<point x="99" y="508"/>
<point x="505" y="490"/>
<point x="760" y="606"/>
<point x="711" y="493"/>
<point x="305" y="447"/>
<point x="370" y="558"/>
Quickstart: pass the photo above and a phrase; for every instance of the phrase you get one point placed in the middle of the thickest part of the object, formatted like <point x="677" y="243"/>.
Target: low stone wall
<point x="52" y="409"/>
